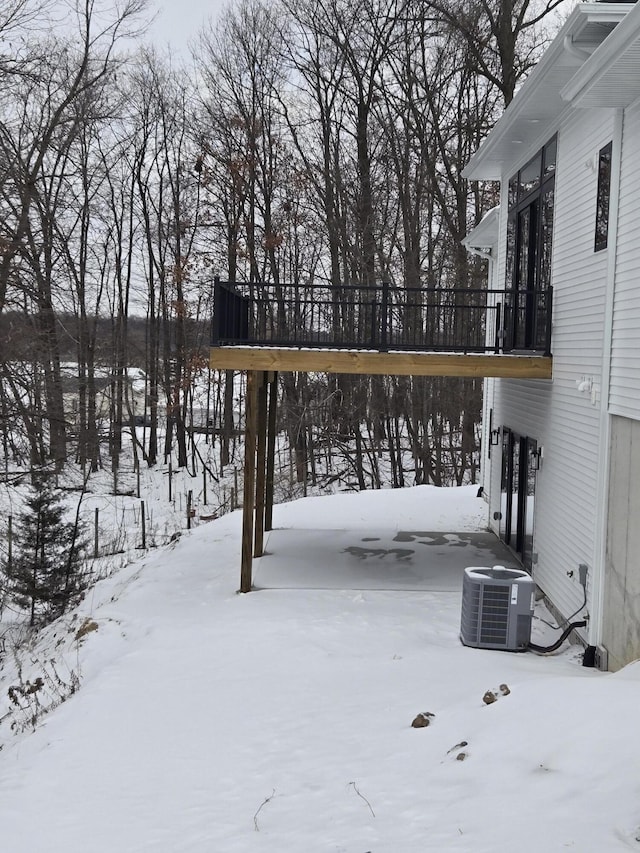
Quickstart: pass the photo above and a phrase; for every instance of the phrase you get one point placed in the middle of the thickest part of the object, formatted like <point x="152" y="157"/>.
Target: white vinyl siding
<point x="624" y="392"/>
<point x="565" y="421"/>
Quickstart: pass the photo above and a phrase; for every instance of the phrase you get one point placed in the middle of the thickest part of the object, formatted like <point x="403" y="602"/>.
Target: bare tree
<point x="504" y="37"/>
<point x="41" y="121"/>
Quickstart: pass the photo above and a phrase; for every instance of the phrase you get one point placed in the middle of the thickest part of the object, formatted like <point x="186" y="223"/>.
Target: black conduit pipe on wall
<point x="543" y="650"/>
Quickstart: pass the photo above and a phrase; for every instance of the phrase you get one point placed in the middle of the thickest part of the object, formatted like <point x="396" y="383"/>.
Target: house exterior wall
<point x="624" y="395"/>
<point x="564" y="420"/>
<point x="587" y="418"/>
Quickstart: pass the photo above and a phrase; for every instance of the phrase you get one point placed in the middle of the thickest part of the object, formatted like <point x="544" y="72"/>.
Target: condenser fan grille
<point x="495" y="614"/>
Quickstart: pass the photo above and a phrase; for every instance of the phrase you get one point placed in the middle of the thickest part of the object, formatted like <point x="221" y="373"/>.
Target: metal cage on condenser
<point x="497" y="608"/>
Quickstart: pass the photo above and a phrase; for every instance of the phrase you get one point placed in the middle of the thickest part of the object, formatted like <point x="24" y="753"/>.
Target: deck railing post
<point x="497" y="331"/>
<point x="384" y="317"/>
<point x="374" y="338"/>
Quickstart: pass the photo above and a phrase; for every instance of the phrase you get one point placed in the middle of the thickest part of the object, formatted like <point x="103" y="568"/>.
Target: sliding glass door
<point x="519" y="465"/>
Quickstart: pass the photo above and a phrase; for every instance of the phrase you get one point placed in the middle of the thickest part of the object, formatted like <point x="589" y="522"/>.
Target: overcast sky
<point x="179" y="21"/>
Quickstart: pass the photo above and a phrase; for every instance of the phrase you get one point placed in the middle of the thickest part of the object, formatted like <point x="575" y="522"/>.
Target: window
<point x="604" y="194"/>
<point x="529" y="238"/>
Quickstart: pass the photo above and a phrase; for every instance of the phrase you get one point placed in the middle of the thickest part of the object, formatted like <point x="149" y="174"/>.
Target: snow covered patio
<point x="375" y="559"/>
<point x="280" y="721"/>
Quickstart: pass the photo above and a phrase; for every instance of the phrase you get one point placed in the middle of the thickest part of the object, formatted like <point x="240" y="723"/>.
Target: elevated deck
<point x="381" y="329"/>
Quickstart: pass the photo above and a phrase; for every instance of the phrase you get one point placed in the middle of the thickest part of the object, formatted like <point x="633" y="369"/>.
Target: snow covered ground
<point x="196" y="719"/>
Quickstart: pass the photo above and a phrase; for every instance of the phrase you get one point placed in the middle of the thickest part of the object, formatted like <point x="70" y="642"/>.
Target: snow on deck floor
<point x="212" y="722"/>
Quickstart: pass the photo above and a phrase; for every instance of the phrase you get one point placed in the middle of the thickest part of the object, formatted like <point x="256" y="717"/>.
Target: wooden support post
<point x="251" y="419"/>
<point x="271" y="450"/>
<point x="260" y="464"/>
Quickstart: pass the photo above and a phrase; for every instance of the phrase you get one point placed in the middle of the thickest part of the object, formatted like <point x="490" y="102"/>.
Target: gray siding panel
<point x="621" y="625"/>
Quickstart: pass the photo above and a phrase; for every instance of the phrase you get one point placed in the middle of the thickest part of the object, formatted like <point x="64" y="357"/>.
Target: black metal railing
<point x="381" y="318"/>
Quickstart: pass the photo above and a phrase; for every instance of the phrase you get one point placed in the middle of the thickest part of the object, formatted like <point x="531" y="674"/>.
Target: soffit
<point x="611" y="77"/>
<point x="533" y="114"/>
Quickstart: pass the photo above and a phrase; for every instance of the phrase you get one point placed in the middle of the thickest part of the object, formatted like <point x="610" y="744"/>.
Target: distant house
<point x="562" y="456"/>
<point x="135" y="393"/>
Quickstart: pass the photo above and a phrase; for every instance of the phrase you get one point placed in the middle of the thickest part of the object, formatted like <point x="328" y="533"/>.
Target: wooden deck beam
<point x="505" y="366"/>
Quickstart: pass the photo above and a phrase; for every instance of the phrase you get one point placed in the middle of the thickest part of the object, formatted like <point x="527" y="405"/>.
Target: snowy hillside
<point x="196" y="719"/>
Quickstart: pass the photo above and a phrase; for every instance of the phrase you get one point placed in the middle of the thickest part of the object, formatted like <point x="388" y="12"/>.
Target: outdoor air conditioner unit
<point x="497" y="608"/>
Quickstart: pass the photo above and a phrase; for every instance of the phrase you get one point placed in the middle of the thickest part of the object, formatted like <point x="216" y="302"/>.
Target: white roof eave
<point x="611" y="76"/>
<point x="537" y="106"/>
<point x="485" y="235"/>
